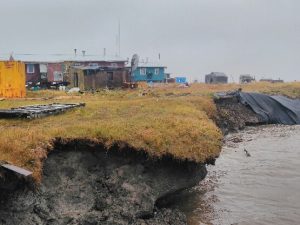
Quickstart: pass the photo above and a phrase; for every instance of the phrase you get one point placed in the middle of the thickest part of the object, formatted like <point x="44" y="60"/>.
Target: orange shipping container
<point x="12" y="79"/>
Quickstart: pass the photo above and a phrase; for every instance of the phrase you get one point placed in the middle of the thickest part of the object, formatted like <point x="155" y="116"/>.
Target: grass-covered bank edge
<point x="179" y="127"/>
<point x="167" y="120"/>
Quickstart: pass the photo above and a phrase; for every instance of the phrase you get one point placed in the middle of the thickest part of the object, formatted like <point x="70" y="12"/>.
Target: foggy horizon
<point x="193" y="37"/>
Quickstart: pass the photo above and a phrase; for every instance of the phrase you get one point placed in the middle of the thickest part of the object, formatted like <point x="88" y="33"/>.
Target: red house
<point x="55" y="72"/>
<point x="32" y="72"/>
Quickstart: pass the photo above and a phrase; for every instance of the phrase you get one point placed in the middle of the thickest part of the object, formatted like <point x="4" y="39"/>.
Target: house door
<point x="110" y="79"/>
<point x="75" y="79"/>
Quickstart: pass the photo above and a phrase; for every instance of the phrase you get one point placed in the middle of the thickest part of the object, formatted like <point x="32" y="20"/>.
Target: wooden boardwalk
<point x="38" y="111"/>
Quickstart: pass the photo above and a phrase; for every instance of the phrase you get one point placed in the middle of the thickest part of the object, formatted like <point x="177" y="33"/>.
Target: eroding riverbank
<point x="101" y="179"/>
<point x="233" y="116"/>
<point x="84" y="184"/>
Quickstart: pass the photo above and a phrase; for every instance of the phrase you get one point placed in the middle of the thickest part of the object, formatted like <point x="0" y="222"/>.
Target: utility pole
<point x="119" y="37"/>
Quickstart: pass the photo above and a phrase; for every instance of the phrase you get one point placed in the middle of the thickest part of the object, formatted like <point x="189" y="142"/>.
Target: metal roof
<point x="61" y="58"/>
<point x="87" y="67"/>
<point x="246" y="76"/>
<point x="92" y="67"/>
<point x="151" y="64"/>
<point x="217" y="74"/>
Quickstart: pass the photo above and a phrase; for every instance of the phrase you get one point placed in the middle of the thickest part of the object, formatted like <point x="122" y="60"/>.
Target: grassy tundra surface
<point x="166" y="120"/>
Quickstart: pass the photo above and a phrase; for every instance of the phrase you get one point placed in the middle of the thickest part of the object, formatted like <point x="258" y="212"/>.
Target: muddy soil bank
<point x="85" y="184"/>
<point x="233" y="116"/>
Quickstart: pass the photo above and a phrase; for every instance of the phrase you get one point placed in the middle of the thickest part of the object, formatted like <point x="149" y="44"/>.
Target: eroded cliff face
<point x="233" y="116"/>
<point x="86" y="185"/>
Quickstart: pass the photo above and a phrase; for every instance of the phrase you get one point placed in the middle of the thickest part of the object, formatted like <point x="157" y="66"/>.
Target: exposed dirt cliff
<point x="85" y="184"/>
<point x="232" y="115"/>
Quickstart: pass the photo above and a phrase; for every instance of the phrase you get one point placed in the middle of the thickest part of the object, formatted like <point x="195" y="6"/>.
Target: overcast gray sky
<point x="194" y="37"/>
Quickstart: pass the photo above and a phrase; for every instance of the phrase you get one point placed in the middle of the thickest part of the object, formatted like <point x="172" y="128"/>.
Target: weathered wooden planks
<point x="37" y="111"/>
<point x="17" y="170"/>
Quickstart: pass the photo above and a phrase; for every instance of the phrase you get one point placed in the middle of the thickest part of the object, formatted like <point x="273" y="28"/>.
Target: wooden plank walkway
<point x="37" y="111"/>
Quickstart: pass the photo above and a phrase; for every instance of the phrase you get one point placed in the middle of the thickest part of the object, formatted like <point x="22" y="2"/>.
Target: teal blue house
<point x="149" y="72"/>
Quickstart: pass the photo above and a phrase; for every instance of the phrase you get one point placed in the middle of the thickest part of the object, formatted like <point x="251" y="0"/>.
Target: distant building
<point x="149" y="72"/>
<point x="180" y="80"/>
<point x="216" y="78"/>
<point x="272" y="80"/>
<point x="246" y="78"/>
<point x="95" y="77"/>
<point x="42" y="69"/>
<point x="43" y="72"/>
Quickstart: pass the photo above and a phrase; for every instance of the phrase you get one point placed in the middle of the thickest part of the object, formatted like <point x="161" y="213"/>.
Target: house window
<point x="58" y="76"/>
<point x="93" y="64"/>
<point x="143" y="71"/>
<point x="156" y="71"/>
<point x="30" y="68"/>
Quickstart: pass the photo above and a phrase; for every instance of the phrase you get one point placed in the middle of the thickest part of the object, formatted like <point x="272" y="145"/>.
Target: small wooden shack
<point x="216" y="78"/>
<point x="12" y="79"/>
<point x="246" y="78"/>
<point x="95" y="77"/>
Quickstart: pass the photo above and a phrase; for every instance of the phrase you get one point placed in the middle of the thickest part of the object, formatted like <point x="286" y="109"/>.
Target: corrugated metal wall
<point x="12" y="79"/>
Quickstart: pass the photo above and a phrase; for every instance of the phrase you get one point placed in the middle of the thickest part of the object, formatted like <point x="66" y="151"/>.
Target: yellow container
<point x="12" y="79"/>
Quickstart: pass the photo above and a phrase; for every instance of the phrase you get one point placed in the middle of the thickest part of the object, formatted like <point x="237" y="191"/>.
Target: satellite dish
<point x="134" y="62"/>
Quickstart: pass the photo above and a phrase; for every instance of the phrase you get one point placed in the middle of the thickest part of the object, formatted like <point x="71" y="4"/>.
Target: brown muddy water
<point x="261" y="189"/>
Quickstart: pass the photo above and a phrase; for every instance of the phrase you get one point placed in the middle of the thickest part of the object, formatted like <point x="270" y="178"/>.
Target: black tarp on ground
<point x="273" y="109"/>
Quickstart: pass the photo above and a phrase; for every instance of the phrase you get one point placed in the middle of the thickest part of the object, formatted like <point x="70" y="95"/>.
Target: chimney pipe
<point x="75" y="51"/>
<point x="83" y="53"/>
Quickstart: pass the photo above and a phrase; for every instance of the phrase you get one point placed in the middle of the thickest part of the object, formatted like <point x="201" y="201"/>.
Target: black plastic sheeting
<point x="272" y="109"/>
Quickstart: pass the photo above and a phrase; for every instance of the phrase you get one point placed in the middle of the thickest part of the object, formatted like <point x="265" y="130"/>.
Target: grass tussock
<point x="291" y="89"/>
<point x="162" y="120"/>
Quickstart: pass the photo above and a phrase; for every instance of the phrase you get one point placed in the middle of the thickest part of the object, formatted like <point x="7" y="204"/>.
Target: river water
<point x="261" y="189"/>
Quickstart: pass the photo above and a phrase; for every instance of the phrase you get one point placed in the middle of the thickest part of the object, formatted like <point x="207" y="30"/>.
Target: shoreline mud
<point x="233" y="116"/>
